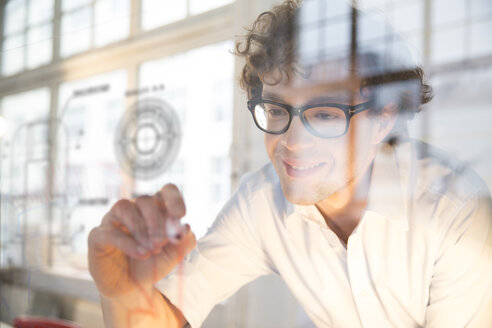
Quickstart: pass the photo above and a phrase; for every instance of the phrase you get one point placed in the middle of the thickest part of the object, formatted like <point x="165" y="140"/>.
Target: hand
<point x="131" y="249"/>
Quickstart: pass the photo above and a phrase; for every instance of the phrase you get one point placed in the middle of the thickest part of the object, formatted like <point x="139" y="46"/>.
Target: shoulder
<point x="438" y="173"/>
<point x="448" y="194"/>
<point x="263" y="183"/>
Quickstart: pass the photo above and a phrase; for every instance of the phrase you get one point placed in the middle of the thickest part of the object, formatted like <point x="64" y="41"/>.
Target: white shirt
<point x="420" y="256"/>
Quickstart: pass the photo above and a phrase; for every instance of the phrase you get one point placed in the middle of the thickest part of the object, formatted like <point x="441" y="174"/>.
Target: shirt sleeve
<point x="228" y="257"/>
<point x="461" y="287"/>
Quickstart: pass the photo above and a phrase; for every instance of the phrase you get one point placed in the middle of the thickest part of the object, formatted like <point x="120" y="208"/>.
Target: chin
<point x="304" y="194"/>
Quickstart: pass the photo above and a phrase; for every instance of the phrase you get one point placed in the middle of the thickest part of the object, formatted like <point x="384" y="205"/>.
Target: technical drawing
<point x="148" y="138"/>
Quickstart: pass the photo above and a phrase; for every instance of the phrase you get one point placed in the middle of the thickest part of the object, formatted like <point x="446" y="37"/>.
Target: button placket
<point x="330" y="237"/>
<point x="367" y="305"/>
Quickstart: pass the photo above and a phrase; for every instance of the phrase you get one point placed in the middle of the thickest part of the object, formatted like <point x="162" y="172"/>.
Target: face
<point x="313" y="169"/>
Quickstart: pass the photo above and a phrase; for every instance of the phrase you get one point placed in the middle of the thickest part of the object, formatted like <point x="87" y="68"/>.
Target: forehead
<point x="301" y="91"/>
<point x="329" y="78"/>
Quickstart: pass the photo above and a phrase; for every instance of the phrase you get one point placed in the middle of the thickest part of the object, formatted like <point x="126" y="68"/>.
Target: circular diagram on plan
<point x="148" y="138"/>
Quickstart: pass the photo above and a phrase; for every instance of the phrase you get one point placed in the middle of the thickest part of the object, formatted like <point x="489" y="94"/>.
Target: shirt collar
<point x="391" y="183"/>
<point x="388" y="192"/>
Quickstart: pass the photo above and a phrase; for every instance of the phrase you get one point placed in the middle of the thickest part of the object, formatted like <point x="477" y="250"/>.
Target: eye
<point x="276" y="112"/>
<point x="325" y="116"/>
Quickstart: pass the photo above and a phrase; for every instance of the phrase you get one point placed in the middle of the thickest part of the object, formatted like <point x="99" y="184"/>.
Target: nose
<point x="297" y="136"/>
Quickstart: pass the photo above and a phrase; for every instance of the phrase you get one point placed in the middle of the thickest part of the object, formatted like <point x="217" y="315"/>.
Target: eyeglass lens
<point x="325" y="121"/>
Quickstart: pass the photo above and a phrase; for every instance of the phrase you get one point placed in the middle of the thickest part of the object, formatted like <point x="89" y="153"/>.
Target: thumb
<point x="173" y="253"/>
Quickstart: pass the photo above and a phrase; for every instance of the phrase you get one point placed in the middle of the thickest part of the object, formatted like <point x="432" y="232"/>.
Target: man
<point x="367" y="227"/>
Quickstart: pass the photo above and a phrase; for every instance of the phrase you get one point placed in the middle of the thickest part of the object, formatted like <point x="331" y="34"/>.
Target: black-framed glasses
<point x="326" y="120"/>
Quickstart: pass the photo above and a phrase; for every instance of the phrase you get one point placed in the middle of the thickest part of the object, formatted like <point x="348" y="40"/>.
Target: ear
<point x="384" y="122"/>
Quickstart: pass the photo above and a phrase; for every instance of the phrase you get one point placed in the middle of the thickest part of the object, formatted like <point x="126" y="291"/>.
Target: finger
<point x="173" y="201"/>
<point x="126" y="213"/>
<point x="114" y="237"/>
<point x="174" y="253"/>
<point x="154" y="219"/>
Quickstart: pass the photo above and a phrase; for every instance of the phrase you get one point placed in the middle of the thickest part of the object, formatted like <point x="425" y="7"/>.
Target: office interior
<point x="72" y="74"/>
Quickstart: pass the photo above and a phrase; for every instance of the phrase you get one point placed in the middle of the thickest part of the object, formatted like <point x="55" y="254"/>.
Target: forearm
<point x="150" y="309"/>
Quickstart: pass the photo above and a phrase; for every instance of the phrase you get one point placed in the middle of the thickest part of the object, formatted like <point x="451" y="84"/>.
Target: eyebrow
<point x="317" y="100"/>
<point x="272" y="96"/>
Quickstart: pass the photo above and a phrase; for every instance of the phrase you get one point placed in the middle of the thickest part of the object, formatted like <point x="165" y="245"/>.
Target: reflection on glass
<point x="160" y="12"/>
<point x="448" y="45"/>
<point x="200" y="6"/>
<point x="197" y="92"/>
<point x="480" y="38"/>
<point x="68" y="5"/>
<point x="39" y="45"/>
<point x="23" y="164"/>
<point x="13" y="54"/>
<point x="448" y="11"/>
<point x="76" y="32"/>
<point x="407" y="17"/>
<point x="89" y="176"/>
<point x="112" y="21"/>
<point x="15" y="15"/>
<point x="481" y="8"/>
<point x="40" y="11"/>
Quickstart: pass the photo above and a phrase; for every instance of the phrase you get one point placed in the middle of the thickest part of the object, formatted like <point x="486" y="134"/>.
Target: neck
<point x="343" y="209"/>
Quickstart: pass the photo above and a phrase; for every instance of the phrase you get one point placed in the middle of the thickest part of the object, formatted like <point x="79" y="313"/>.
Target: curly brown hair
<point x="270" y="52"/>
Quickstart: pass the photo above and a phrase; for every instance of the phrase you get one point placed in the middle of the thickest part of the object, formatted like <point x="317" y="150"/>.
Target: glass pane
<point x="480" y="39"/>
<point x="76" y="32"/>
<point x="309" y="13"/>
<point x="464" y="133"/>
<point x="15" y="16"/>
<point x="13" y="54"/>
<point x="160" y="12"/>
<point x="68" y="5"/>
<point x="337" y="36"/>
<point x="23" y="163"/>
<point x="112" y="19"/>
<point x="334" y="9"/>
<point x="40" y="45"/>
<point x="372" y="27"/>
<point x="309" y="46"/>
<point x="89" y="174"/>
<point x="374" y="4"/>
<point x="202" y="97"/>
<point x="481" y="8"/>
<point x="200" y="6"/>
<point x="448" y="45"/>
<point x="415" y="42"/>
<point x="408" y="17"/>
<point x="40" y="11"/>
<point x="446" y="11"/>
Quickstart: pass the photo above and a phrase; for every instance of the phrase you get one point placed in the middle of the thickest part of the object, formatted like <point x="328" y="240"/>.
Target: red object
<point x="42" y="322"/>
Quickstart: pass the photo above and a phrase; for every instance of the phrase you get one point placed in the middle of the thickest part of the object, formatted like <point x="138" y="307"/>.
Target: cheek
<point x="270" y="141"/>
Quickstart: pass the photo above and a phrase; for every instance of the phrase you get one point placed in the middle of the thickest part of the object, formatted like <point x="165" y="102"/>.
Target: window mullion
<point x="135" y="14"/>
<point x="25" y="32"/>
<point x="92" y="24"/>
<point x="2" y="39"/>
<point x="56" y="32"/>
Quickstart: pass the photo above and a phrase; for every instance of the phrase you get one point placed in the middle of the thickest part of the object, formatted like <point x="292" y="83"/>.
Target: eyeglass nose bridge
<point x="296" y="111"/>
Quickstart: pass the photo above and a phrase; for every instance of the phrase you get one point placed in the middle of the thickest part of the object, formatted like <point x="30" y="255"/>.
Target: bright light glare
<point x="3" y="126"/>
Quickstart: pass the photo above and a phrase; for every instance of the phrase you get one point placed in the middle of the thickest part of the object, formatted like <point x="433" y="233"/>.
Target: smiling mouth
<point x="300" y="171"/>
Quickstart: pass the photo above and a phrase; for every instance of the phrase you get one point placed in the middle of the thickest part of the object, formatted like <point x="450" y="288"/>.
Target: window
<point x="161" y="12"/>
<point x="190" y="81"/>
<point x="86" y="24"/>
<point x="27" y="35"/>
<point x="23" y="180"/>
<point x="460" y="29"/>
<point x="88" y="173"/>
